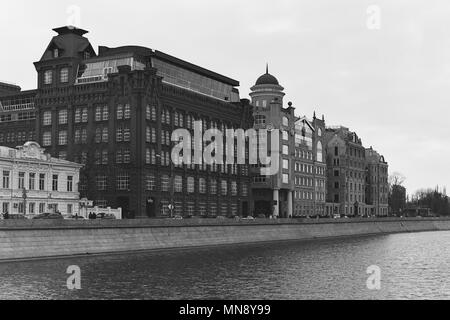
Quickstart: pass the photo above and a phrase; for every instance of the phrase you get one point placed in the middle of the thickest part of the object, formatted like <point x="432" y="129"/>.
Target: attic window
<point x="55" y="53"/>
<point x="87" y="55"/>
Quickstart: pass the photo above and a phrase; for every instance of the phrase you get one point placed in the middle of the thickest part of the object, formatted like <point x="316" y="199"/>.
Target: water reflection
<point x="414" y="266"/>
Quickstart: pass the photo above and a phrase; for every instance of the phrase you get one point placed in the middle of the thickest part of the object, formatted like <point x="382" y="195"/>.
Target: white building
<point x="32" y="182"/>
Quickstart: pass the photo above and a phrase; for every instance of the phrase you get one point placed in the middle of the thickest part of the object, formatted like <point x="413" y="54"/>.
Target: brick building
<point x="114" y="112"/>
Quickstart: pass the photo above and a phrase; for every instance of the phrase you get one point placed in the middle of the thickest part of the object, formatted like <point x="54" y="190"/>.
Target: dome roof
<point x="267" y="78"/>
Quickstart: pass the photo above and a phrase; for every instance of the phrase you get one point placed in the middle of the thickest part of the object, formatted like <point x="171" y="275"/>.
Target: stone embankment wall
<point x="29" y="239"/>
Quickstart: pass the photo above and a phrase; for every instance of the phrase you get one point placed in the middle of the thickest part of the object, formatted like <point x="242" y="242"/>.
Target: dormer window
<point x="48" y="77"/>
<point x="55" y="53"/>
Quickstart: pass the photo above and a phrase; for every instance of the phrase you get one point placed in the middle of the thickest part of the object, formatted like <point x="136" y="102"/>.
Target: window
<point x="202" y="185"/>
<point x="31" y="181"/>
<point x="150" y="183"/>
<point x="244" y="190"/>
<point x="190" y="185"/>
<point x="62" y="116"/>
<point x="84" y="115"/>
<point x="119" y="112"/>
<point x="213" y="186"/>
<point x="31" y="208"/>
<point x="48" y="77"/>
<point x="285" y="121"/>
<point x="98" y="114"/>
<point x="105" y="135"/>
<point x="123" y="182"/>
<point x="224" y="187"/>
<point x="102" y="182"/>
<point x="55" y="53"/>
<point x="260" y="119"/>
<point x="21" y="182"/>
<point x="285" y="150"/>
<point x="127" y="112"/>
<point x="41" y="207"/>
<point x="105" y="113"/>
<point x="55" y="182"/>
<point x="47" y="118"/>
<point x="64" y="75"/>
<point x="62" y="138"/>
<point x="336" y="151"/>
<point x="285" y="135"/>
<point x="165" y="182"/>
<point x="47" y="139"/>
<point x="69" y="208"/>
<point x="42" y="182"/>
<point x="285" y="164"/>
<point x="178" y="184"/>
<point x="69" y="183"/>
<point x="234" y="188"/>
<point x="319" y="152"/>
<point x="285" y="178"/>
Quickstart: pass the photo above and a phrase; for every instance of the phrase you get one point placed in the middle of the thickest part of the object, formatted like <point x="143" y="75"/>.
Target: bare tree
<point x="396" y="179"/>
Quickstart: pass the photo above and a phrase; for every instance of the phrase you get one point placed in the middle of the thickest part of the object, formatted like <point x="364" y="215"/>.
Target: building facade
<point x="33" y="182"/>
<point x="377" y="184"/>
<point x="357" y="177"/>
<point x="273" y="195"/>
<point x="115" y="111"/>
<point x="310" y="168"/>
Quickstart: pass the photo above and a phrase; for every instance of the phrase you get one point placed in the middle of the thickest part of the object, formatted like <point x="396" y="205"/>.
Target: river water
<point x="413" y="266"/>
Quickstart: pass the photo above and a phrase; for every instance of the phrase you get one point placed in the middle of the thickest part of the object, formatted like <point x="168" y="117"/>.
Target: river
<point x="413" y="266"/>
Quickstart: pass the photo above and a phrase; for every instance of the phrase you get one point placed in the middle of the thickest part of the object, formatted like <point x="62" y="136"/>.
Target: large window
<point x="178" y="184"/>
<point x="55" y="182"/>
<point x="190" y="185"/>
<point x="48" y="77"/>
<point x="47" y="118"/>
<point x="47" y="139"/>
<point x="64" y="75"/>
<point x="62" y="138"/>
<point x="69" y="183"/>
<point x="319" y="152"/>
<point x="21" y="183"/>
<point x="123" y="182"/>
<point x="62" y="116"/>
<point x="31" y="181"/>
<point x="6" y="175"/>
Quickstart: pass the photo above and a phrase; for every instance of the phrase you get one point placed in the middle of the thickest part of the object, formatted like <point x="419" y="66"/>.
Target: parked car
<point x="17" y="217"/>
<point x="220" y="217"/>
<point x="177" y="218"/>
<point x="248" y="218"/>
<point x="76" y="217"/>
<point x="49" y="216"/>
<point x="337" y="216"/>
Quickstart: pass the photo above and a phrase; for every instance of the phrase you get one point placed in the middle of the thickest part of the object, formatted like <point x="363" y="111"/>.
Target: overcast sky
<point x="382" y="71"/>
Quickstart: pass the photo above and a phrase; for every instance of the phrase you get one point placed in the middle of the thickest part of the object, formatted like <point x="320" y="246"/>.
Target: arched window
<point x="285" y="121"/>
<point x="319" y="152"/>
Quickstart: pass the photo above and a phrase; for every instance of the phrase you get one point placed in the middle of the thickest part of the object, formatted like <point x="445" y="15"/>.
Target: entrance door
<point x="151" y="208"/>
<point x="124" y="203"/>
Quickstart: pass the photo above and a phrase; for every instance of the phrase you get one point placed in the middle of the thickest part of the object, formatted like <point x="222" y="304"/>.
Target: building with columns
<point x="32" y="182"/>
<point x="273" y="195"/>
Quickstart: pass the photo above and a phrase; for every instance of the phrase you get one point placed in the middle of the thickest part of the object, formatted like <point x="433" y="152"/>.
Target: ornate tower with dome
<point x="273" y="195"/>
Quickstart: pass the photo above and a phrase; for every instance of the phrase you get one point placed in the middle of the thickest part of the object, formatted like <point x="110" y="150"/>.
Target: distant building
<point x="32" y="182"/>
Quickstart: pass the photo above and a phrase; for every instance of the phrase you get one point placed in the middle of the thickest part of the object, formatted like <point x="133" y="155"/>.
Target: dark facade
<point x="115" y="113"/>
